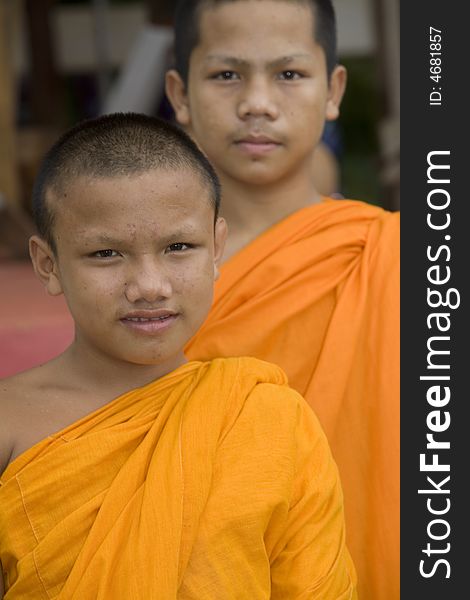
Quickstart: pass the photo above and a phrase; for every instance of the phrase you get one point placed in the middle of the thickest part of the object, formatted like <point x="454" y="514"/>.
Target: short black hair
<point x="186" y="24"/>
<point x="111" y="146"/>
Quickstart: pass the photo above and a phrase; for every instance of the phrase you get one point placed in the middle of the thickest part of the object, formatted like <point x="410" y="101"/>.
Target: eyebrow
<point x="91" y="239"/>
<point x="104" y="239"/>
<point x="240" y="62"/>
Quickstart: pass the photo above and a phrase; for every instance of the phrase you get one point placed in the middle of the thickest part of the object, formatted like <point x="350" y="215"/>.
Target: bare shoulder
<point x="12" y="395"/>
<point x="20" y="397"/>
<point x="40" y="402"/>
<point x="8" y="392"/>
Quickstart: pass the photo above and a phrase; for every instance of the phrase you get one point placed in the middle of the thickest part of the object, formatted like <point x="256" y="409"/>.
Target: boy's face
<point x="257" y="95"/>
<point x="136" y="260"/>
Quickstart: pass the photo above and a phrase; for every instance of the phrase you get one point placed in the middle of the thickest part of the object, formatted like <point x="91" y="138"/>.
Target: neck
<point x="251" y="209"/>
<point x="108" y="377"/>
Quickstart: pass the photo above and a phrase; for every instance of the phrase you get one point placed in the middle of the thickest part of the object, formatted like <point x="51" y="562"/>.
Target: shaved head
<point x="114" y="146"/>
<point x="188" y="15"/>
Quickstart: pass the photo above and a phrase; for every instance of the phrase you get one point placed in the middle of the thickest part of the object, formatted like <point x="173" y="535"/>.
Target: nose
<point x="257" y="100"/>
<point x="148" y="281"/>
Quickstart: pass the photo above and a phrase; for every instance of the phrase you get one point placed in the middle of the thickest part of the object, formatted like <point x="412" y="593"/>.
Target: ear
<point x="220" y="238"/>
<point x="336" y="89"/>
<point x="176" y="92"/>
<point x="45" y="265"/>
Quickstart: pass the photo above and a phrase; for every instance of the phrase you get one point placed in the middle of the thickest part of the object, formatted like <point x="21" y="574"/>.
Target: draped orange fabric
<point x="213" y="482"/>
<point x="318" y="294"/>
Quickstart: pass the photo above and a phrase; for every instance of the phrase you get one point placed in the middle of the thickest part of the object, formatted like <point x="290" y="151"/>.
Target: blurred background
<point x="65" y="60"/>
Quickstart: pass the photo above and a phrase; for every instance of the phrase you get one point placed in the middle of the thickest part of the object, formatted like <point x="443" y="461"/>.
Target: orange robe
<point x="318" y="294"/>
<point x="213" y="482"/>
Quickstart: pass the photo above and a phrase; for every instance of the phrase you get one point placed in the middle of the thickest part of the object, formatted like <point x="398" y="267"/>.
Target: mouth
<point x="256" y="145"/>
<point x="149" y="322"/>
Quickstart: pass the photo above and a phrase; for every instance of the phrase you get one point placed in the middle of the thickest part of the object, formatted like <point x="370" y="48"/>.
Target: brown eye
<point x="108" y="253"/>
<point x="178" y="247"/>
<point x="226" y="76"/>
<point x="289" y="75"/>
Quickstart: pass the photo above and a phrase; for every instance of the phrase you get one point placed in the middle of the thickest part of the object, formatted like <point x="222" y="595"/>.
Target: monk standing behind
<point x="128" y="473"/>
<point x="309" y="283"/>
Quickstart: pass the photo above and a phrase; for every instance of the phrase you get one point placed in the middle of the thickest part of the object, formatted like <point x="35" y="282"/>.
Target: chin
<point x="264" y="177"/>
<point x="148" y="361"/>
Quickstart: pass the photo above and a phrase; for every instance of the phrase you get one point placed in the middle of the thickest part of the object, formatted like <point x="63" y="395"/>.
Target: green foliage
<point x="360" y="114"/>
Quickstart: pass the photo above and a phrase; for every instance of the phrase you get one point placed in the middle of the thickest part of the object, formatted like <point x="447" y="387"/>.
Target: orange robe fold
<point x="318" y="294"/>
<point x="215" y="481"/>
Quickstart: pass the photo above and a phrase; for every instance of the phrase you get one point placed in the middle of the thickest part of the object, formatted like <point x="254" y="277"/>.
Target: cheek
<point x="308" y="120"/>
<point x="196" y="283"/>
<point x="93" y="293"/>
<point x="209" y="115"/>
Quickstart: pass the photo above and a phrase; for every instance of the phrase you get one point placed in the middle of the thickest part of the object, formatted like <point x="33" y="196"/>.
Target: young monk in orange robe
<point x="308" y="283"/>
<point x="125" y="471"/>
